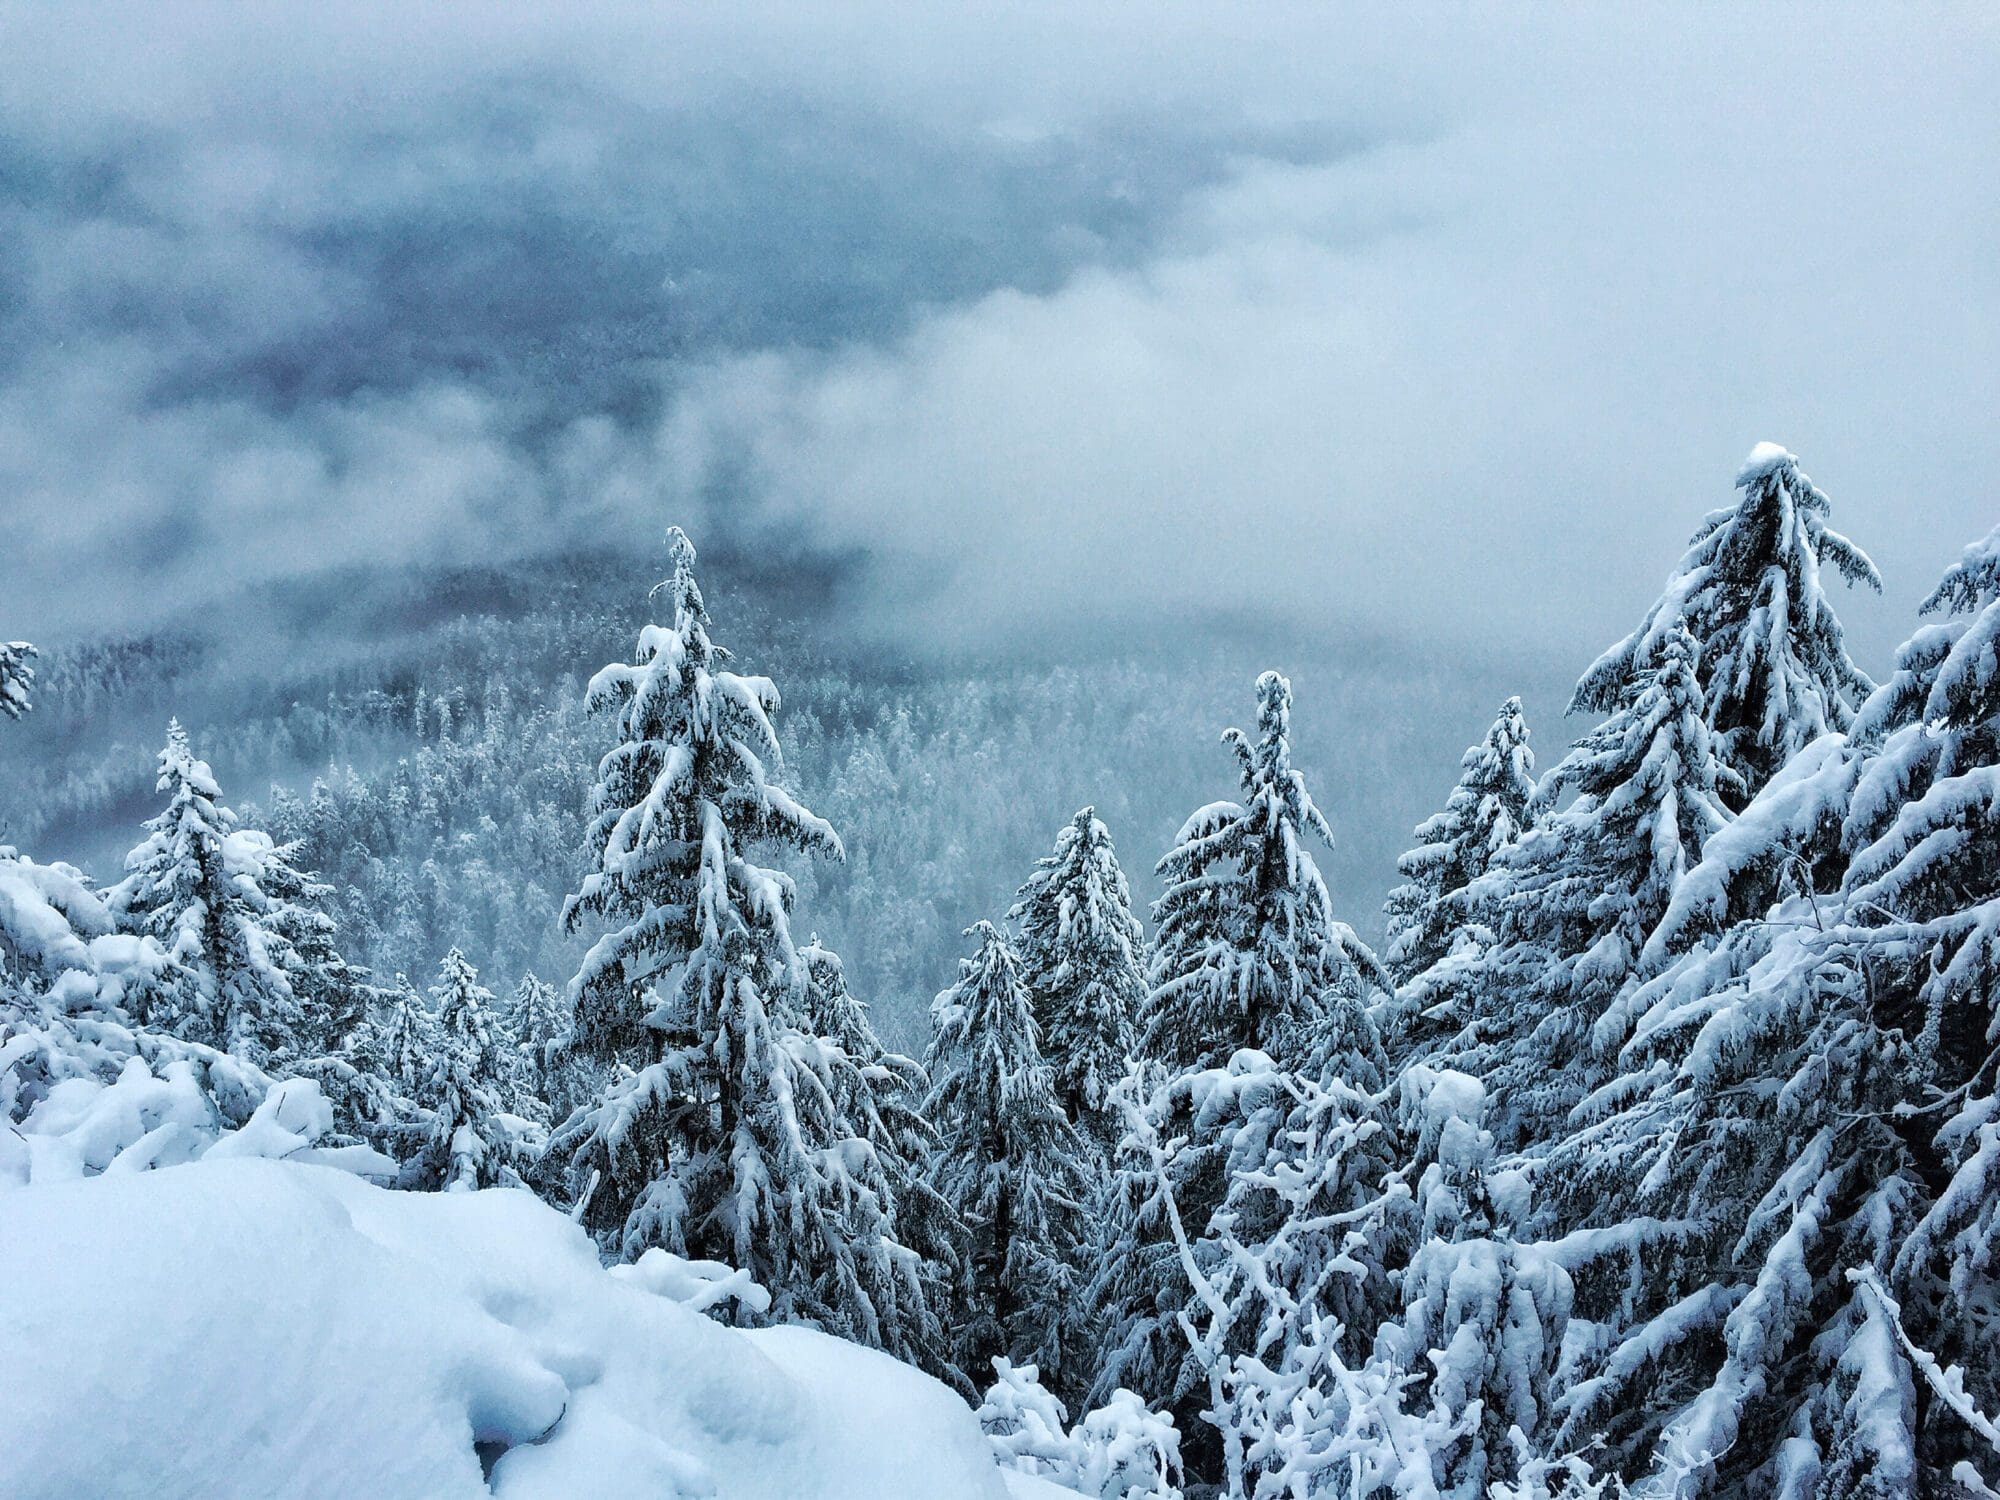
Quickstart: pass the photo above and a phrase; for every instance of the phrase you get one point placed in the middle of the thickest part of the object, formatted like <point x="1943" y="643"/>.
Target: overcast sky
<point x="1080" y="323"/>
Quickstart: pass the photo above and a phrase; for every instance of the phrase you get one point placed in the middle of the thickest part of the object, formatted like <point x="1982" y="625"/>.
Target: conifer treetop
<point x="1774" y="668"/>
<point x="1489" y="808"/>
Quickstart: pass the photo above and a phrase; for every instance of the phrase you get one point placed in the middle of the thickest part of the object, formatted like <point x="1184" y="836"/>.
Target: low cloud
<point x="1071" y="321"/>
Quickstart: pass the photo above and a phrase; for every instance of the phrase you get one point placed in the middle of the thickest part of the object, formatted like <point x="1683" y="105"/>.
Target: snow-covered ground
<point x="253" y="1328"/>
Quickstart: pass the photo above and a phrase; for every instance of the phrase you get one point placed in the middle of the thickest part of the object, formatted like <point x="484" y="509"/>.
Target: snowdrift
<point x="253" y="1328"/>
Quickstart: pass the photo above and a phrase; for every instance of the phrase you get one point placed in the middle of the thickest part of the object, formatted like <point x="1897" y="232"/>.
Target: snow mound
<point x="253" y="1328"/>
<point x="1763" y="459"/>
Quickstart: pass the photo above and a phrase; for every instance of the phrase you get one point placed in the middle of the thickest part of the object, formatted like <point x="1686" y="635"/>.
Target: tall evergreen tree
<point x="252" y="966"/>
<point x="17" y="677"/>
<point x="464" y="1145"/>
<point x="1576" y="899"/>
<point x="404" y="1038"/>
<point x="1487" y="811"/>
<point x="881" y="1095"/>
<point x="1008" y="1165"/>
<point x="1247" y="947"/>
<point x="725" y="1142"/>
<point x="1081" y="949"/>
<point x="1799" y="1156"/>
<point x="1257" y="988"/>
<point x="1773" y="664"/>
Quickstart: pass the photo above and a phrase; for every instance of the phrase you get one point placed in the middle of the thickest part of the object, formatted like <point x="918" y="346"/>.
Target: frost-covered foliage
<point x="1247" y="948"/>
<point x="1813" y="1092"/>
<point x="545" y="1080"/>
<point x="1259" y="992"/>
<point x="1774" y="668"/>
<point x="84" y="1088"/>
<point x="1486" y="812"/>
<point x="725" y="1140"/>
<point x="17" y="677"/>
<point x="1484" y="1317"/>
<point x="251" y="963"/>
<point x="1119" y="1451"/>
<point x="1009" y="1165"/>
<point x="1282" y="1410"/>
<point x="467" y="1141"/>
<point x="1576" y="899"/>
<point x="1082" y="958"/>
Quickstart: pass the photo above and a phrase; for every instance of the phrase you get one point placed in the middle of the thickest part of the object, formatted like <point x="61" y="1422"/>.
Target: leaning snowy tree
<point x="17" y="677"/>
<point x="1577" y="898"/>
<point x="1774" y="669"/>
<point x="1802" y="1150"/>
<point x="726" y="1141"/>
<point x="1009" y="1165"/>
<point x="465" y="1144"/>
<point x="1081" y="950"/>
<point x="252" y="966"/>
<point x="1249" y="959"/>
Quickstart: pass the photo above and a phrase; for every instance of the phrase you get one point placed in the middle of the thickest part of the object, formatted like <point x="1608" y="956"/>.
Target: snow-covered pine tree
<point x="1008" y="1163"/>
<point x="1577" y="897"/>
<point x="881" y="1094"/>
<point x="725" y="1142"/>
<point x="1246" y="946"/>
<point x="540" y="1024"/>
<point x="17" y="677"/>
<point x="332" y="994"/>
<point x="1259" y="993"/>
<point x="252" y="966"/>
<point x="465" y="1143"/>
<point x="1486" y="812"/>
<point x="1773" y="663"/>
<point x="403" y="1038"/>
<point x="1081" y="956"/>
<point x="1809" y="1099"/>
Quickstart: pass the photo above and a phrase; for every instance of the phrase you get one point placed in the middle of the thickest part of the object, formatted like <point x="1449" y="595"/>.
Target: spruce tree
<point x="465" y="1145"/>
<point x="1487" y="811"/>
<point x="17" y="677"/>
<point x="1773" y="665"/>
<point x="1081" y="950"/>
<point x="1576" y="899"/>
<point x="1798" y="1158"/>
<point x="1247" y="947"/>
<point x="251" y="963"/>
<point x="725" y="1141"/>
<point x="1257" y="990"/>
<point x="1007" y="1164"/>
<point x="404" y="1038"/>
<point x="881" y="1094"/>
<point x="540" y="1024"/>
<point x="1484" y="1316"/>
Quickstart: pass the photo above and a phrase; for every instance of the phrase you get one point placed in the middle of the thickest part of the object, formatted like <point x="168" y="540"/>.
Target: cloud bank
<point x="1091" y="325"/>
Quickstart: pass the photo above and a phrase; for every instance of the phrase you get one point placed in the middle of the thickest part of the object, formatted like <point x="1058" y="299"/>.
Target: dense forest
<point x="1646" y="1138"/>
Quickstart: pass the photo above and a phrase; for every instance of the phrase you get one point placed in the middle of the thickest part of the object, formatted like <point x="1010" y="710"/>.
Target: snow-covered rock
<point x="254" y="1328"/>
